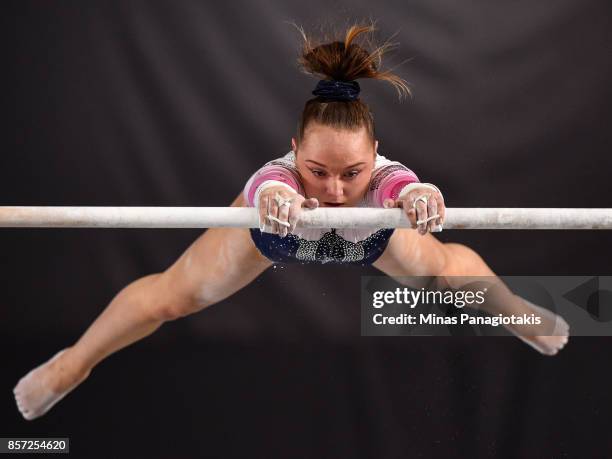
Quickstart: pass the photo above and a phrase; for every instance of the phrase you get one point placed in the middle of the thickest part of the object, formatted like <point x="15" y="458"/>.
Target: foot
<point x="45" y="385"/>
<point x="556" y="329"/>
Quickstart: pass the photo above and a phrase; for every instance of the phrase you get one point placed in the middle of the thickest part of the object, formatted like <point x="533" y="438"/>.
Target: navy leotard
<point x="330" y="248"/>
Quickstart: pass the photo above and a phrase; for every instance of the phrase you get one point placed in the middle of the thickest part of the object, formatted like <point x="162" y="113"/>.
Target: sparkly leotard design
<point x="330" y="248"/>
<point x="332" y="245"/>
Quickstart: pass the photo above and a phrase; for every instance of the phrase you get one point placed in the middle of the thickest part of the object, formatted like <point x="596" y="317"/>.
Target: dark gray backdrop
<point x="177" y="103"/>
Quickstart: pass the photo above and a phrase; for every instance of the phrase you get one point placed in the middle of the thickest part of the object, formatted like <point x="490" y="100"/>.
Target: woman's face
<point x="335" y="164"/>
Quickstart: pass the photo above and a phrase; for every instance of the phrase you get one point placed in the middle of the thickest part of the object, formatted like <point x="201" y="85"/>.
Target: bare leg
<point x="216" y="265"/>
<point x="410" y="254"/>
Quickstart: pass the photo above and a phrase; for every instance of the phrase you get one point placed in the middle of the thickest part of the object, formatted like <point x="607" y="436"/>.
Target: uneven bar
<point x="355" y="217"/>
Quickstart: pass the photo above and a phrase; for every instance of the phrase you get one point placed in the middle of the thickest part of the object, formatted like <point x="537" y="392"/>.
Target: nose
<point x="334" y="188"/>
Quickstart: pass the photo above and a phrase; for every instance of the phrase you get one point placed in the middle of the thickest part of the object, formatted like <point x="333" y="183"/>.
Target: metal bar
<point x="242" y="217"/>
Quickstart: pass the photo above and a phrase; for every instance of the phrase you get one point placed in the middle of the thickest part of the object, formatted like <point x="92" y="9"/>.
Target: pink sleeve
<point x="388" y="181"/>
<point x="281" y="169"/>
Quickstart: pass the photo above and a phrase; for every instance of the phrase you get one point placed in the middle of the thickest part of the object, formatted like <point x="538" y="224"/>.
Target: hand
<point x="424" y="207"/>
<point x="280" y="209"/>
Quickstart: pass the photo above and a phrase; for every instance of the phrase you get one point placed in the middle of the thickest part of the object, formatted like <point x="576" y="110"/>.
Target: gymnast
<point x="333" y="162"/>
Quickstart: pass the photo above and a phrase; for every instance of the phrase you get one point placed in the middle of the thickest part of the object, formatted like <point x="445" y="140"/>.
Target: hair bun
<point x="337" y="90"/>
<point x="340" y="62"/>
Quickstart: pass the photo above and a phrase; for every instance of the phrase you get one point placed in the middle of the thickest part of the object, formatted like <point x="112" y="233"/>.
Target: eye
<point x="353" y="174"/>
<point x="317" y="173"/>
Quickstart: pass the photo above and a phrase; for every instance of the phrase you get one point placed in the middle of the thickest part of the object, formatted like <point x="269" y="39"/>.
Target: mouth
<point x="333" y="204"/>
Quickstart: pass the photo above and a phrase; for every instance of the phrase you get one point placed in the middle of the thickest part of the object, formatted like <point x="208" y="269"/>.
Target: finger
<point x="441" y="211"/>
<point x="389" y="203"/>
<point x="432" y="210"/>
<point x="263" y="211"/>
<point x="412" y="216"/>
<point x="280" y="222"/>
<point x="311" y="203"/>
<point x="421" y="209"/>
<point x="283" y="215"/>
<point x="294" y="214"/>
<point x="272" y="212"/>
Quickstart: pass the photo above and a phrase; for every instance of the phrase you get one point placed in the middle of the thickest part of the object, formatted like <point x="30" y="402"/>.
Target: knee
<point x="166" y="303"/>
<point x="179" y="308"/>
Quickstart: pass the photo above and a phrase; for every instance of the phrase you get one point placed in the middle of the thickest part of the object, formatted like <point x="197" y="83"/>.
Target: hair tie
<point x="337" y="90"/>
